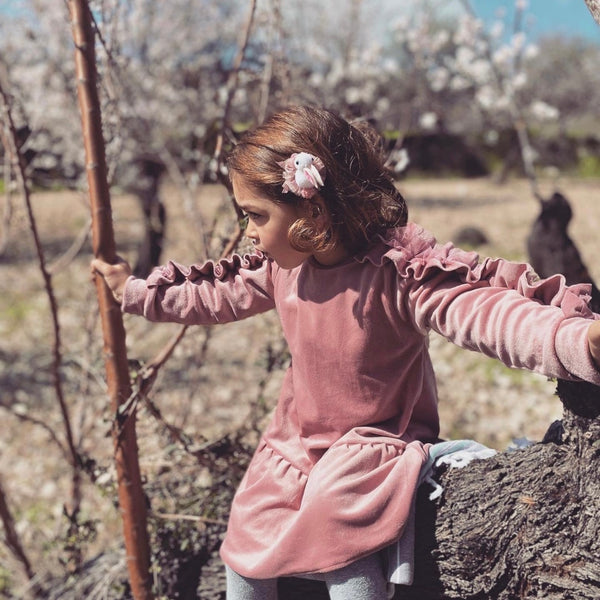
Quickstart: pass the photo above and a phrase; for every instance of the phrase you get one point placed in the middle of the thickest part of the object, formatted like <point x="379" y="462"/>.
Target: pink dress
<point x="334" y="475"/>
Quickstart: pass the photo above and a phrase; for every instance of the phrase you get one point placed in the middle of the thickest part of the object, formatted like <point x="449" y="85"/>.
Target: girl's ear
<point x="314" y="209"/>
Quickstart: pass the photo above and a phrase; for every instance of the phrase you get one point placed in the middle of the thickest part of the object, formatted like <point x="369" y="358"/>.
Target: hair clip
<point x="303" y="174"/>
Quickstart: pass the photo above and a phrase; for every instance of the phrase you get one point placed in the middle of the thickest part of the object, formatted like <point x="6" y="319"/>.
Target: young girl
<point x="357" y="290"/>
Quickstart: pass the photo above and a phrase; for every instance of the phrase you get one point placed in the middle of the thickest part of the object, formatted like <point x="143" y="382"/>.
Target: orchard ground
<point x="217" y="378"/>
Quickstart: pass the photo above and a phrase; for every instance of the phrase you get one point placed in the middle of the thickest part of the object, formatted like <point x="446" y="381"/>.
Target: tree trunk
<point x="131" y="495"/>
<point x="147" y="189"/>
<point x="519" y="525"/>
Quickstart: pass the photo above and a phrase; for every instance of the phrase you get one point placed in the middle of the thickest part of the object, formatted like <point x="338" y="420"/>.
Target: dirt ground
<point x="217" y="378"/>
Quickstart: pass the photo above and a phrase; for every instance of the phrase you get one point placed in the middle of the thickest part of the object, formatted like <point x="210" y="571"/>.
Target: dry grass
<point x="215" y="379"/>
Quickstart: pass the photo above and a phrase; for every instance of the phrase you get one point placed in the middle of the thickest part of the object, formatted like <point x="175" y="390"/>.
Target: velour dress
<point x="334" y="474"/>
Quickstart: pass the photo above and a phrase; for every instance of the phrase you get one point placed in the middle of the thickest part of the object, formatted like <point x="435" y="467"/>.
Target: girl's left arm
<point x="503" y="310"/>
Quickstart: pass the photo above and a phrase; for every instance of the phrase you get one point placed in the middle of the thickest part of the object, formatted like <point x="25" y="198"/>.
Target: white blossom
<point x="491" y="137"/>
<point x="518" y="41"/>
<point x="503" y="55"/>
<point x="531" y="51"/>
<point x="519" y="81"/>
<point x="428" y="120"/>
<point x="459" y="83"/>
<point x="497" y="30"/>
<point x="382" y="105"/>
<point x="486" y="97"/>
<point x="353" y="95"/>
<point x="543" y="111"/>
<point x="438" y="78"/>
<point x="401" y="160"/>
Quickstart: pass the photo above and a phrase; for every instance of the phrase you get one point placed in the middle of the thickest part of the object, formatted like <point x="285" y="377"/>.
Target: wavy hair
<point x="359" y="194"/>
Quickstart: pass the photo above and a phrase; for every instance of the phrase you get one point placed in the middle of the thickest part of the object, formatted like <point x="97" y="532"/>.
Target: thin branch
<point x="39" y="423"/>
<point x="12" y="540"/>
<point x="11" y="146"/>
<point x="232" y="83"/>
<point x="65" y="259"/>
<point x="7" y="210"/>
<point x="195" y="518"/>
<point x="281" y="64"/>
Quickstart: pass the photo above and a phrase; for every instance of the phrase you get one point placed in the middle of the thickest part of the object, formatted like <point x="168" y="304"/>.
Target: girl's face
<point x="268" y="224"/>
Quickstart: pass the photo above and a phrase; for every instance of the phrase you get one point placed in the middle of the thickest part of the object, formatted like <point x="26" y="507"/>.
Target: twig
<point x="232" y="82"/>
<point x="13" y="541"/>
<point x="62" y="261"/>
<point x="11" y="146"/>
<point x="7" y="209"/>
<point x="181" y="517"/>
<point x="38" y="422"/>
<point x="283" y="69"/>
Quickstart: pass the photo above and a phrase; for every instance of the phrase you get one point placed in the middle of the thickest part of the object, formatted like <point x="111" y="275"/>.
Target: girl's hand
<point x="114" y="275"/>
<point x="594" y="341"/>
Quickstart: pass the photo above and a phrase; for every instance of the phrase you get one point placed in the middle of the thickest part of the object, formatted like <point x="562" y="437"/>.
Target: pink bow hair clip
<point x="303" y="174"/>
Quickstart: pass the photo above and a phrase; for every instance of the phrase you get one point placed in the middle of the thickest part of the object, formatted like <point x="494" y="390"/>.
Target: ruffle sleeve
<point x="500" y="308"/>
<point x="213" y="292"/>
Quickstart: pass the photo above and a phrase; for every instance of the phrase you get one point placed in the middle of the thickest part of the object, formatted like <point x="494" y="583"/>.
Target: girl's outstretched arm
<point x="594" y="341"/>
<point x="203" y="294"/>
<point x="115" y="275"/>
<point x="501" y="310"/>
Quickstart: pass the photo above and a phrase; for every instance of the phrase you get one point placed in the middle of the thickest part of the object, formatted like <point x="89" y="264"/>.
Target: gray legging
<point x="361" y="580"/>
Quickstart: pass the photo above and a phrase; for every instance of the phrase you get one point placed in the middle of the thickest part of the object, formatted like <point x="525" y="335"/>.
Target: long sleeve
<point x="505" y="313"/>
<point x="496" y="307"/>
<point x="229" y="290"/>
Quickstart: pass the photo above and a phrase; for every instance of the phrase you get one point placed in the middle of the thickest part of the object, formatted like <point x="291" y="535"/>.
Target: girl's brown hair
<point x="359" y="194"/>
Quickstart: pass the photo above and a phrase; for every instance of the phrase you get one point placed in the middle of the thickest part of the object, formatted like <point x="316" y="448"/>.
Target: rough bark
<point x="520" y="525"/>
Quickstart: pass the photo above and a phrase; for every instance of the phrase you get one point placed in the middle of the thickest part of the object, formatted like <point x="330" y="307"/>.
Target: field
<point x="218" y="379"/>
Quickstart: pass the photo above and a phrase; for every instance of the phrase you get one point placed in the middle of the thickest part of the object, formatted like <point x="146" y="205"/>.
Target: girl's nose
<point x="250" y="232"/>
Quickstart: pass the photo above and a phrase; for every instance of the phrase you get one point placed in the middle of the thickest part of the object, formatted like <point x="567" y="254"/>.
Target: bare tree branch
<point x="232" y="83"/>
<point x="39" y="423"/>
<point x="7" y="208"/>
<point x="80" y="239"/>
<point x="11" y="146"/>
<point x="131" y="494"/>
<point x="11" y="537"/>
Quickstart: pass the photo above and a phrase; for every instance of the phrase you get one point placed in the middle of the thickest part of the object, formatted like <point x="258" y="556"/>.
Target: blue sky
<point x="568" y="17"/>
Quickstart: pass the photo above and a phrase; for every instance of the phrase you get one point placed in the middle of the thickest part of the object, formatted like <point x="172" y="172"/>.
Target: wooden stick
<point x="131" y="494"/>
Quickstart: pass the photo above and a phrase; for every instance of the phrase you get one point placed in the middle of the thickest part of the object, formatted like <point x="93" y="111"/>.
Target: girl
<point x="357" y="290"/>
